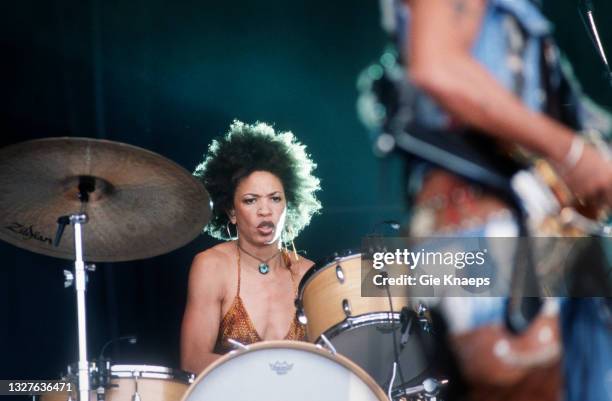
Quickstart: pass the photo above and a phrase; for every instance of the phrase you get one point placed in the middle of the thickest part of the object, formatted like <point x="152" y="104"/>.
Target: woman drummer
<point x="263" y="193"/>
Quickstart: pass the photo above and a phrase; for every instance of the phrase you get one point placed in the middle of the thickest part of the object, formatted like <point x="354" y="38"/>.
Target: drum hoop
<point x="323" y="265"/>
<point x="355" y="322"/>
<point x="151" y="372"/>
<point x="300" y="345"/>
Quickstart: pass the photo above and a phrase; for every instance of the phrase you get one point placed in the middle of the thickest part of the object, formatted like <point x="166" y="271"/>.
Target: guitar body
<point x="501" y="366"/>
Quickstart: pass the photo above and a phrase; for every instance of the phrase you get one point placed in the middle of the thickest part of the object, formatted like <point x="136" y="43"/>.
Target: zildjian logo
<point x="281" y="368"/>
<point x="27" y="232"/>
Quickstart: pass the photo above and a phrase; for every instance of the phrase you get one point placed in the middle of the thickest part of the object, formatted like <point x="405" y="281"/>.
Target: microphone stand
<point x="585" y="8"/>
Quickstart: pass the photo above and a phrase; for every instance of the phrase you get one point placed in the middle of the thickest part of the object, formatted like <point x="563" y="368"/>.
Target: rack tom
<point x="330" y="304"/>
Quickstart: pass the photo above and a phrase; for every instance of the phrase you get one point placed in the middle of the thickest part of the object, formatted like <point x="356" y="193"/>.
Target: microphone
<point x="131" y="339"/>
<point x="392" y="224"/>
<point x="103" y="377"/>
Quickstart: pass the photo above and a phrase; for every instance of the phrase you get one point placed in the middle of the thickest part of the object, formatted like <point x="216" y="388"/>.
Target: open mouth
<point x="265" y="227"/>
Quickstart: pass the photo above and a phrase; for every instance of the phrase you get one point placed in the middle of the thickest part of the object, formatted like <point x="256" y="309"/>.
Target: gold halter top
<point x="237" y="325"/>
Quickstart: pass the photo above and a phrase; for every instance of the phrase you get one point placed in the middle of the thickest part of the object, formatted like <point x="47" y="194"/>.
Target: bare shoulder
<point x="216" y="257"/>
<point x="209" y="267"/>
<point x="303" y="265"/>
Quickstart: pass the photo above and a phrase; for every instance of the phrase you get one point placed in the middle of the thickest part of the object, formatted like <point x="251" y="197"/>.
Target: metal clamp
<point x="237" y="344"/>
<point x="346" y="307"/>
<point x="328" y="344"/>
<point x="68" y="278"/>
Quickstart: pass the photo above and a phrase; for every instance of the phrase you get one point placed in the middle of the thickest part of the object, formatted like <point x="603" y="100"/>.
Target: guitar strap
<point x="521" y="310"/>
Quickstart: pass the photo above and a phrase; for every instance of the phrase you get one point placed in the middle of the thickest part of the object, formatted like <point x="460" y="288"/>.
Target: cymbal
<point x="140" y="205"/>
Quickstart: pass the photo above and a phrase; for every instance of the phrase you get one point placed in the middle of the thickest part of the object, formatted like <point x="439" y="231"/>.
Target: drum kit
<point x="122" y="202"/>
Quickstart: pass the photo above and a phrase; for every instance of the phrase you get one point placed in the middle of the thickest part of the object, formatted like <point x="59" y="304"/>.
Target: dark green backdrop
<point x="169" y="76"/>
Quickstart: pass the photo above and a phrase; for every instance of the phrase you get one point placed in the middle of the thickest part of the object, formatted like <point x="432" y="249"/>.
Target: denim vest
<point x="493" y="44"/>
<point x="587" y="335"/>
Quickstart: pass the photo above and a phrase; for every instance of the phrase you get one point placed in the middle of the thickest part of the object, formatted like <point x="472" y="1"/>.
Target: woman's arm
<point x="202" y="313"/>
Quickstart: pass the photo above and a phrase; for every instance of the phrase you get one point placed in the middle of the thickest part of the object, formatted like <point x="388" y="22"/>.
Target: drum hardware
<point x="99" y="373"/>
<point x="328" y="344"/>
<point x="128" y="382"/>
<point x="340" y="274"/>
<point x="111" y="183"/>
<point x="406" y="319"/>
<point x="102" y="380"/>
<point x="237" y="344"/>
<point x="136" y="395"/>
<point x="77" y="220"/>
<point x="130" y="339"/>
<point x="68" y="278"/>
<point x="301" y="317"/>
<point x="424" y="320"/>
<point x="428" y="390"/>
<point x="100" y="393"/>
<point x="387" y="323"/>
<point x="346" y="307"/>
<point x="408" y="316"/>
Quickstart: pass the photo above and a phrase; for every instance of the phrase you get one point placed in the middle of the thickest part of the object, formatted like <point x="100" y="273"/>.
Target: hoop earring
<point x="229" y="233"/>
<point x="285" y="243"/>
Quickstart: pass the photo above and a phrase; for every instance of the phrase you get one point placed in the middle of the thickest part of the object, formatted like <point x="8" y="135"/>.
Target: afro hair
<point x="247" y="148"/>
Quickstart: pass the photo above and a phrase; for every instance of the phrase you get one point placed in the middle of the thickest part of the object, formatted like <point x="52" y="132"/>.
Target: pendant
<point x="264" y="268"/>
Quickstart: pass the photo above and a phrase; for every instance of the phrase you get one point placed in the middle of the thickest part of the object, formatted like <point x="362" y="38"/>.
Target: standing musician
<point x="263" y="194"/>
<point x="490" y="68"/>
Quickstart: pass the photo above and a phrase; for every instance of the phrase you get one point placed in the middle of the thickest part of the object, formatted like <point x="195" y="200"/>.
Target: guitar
<point x="387" y="105"/>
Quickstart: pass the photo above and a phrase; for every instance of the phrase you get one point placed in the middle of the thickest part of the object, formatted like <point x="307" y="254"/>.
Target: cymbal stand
<point x="77" y="220"/>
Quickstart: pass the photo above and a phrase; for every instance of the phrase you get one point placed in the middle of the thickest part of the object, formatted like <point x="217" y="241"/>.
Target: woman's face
<point x="259" y="208"/>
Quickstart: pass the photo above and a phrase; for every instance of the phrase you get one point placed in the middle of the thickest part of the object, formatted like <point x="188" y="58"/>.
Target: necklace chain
<point x="263" y="267"/>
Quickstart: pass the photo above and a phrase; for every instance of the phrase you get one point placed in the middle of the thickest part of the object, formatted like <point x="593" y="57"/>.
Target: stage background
<point x="168" y="77"/>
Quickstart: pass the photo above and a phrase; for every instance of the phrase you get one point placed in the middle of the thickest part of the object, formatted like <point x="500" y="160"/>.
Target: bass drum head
<point x="281" y="371"/>
<point x="369" y="343"/>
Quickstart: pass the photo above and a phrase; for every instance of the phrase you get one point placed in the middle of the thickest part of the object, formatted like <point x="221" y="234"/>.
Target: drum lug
<point x="136" y="395"/>
<point x="301" y="317"/>
<point x="346" y="307"/>
<point x="340" y="274"/>
<point x="423" y="319"/>
<point x="299" y="312"/>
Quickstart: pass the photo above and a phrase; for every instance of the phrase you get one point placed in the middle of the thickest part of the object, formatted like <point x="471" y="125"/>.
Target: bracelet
<point x="573" y="154"/>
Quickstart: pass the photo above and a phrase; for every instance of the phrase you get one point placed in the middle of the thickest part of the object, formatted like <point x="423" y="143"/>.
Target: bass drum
<point x="151" y="383"/>
<point x="361" y="328"/>
<point x="281" y="371"/>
